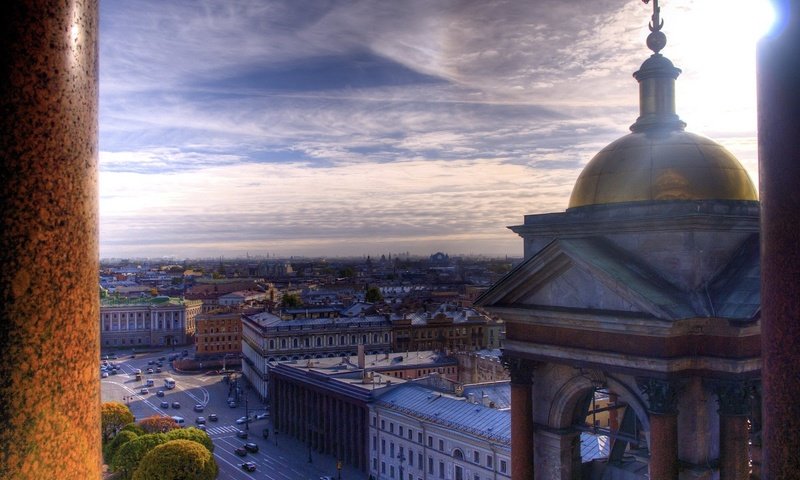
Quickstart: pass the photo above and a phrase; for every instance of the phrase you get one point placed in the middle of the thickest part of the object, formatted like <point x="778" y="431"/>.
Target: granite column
<point x="49" y="310"/>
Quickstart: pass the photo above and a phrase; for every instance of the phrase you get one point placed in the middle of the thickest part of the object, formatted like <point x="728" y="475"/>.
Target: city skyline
<point x="353" y="128"/>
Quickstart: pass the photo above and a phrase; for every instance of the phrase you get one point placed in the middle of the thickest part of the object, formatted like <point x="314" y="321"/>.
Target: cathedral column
<point x="778" y="73"/>
<point x="734" y="408"/>
<point x="521" y="372"/>
<point x="662" y="396"/>
<point x="49" y="311"/>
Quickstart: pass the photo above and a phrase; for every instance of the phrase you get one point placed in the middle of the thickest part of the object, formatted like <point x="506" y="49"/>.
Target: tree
<point x="193" y="434"/>
<point x="291" y="300"/>
<point x="120" y="439"/>
<point x="158" y="424"/>
<point x="127" y="458"/>
<point x="373" y="295"/>
<point x="132" y="427"/>
<point x="113" y="416"/>
<point x="177" y="460"/>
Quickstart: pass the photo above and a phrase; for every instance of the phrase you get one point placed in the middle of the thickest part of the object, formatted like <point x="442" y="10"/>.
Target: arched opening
<point x="609" y="426"/>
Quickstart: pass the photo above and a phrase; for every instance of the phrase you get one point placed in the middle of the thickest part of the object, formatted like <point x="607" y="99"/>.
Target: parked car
<point x="149" y="370"/>
<point x="240" y="451"/>
<point x="242" y="420"/>
<point x="249" y="466"/>
<point x="158" y="370"/>
<point x="176" y="405"/>
<point x="251" y="447"/>
<point x="104" y="375"/>
<point x="150" y="362"/>
<point x="241" y="434"/>
<point x="233" y="404"/>
<point x="262" y="416"/>
<point x="162" y="358"/>
<point x="213" y="417"/>
<point x="144" y="391"/>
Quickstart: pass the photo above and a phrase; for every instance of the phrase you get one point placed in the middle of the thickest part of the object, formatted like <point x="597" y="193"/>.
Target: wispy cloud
<point x="334" y="127"/>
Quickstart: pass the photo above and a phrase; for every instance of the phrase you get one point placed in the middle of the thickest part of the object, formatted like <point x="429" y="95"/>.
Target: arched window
<point x="272" y="344"/>
<point x="330" y="341"/>
<point x="319" y="342"/>
<point x="294" y="343"/>
<point x="458" y="454"/>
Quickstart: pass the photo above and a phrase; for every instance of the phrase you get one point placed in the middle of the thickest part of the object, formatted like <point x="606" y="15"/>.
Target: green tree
<point x="121" y="438"/>
<point x="177" y="460"/>
<point x="347" y="272"/>
<point x="133" y="427"/>
<point x="128" y="456"/>
<point x="291" y="300"/>
<point x="158" y="424"/>
<point x="113" y="416"/>
<point x="193" y="434"/>
<point x="373" y="295"/>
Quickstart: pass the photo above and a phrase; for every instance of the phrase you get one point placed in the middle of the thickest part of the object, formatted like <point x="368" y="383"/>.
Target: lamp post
<point x="246" y="414"/>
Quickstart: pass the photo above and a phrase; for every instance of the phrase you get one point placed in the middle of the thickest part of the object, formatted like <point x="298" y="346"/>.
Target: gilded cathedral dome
<point x="659" y="160"/>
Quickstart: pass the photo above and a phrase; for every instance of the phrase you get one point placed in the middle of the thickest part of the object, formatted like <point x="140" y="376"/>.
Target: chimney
<point x="361" y="360"/>
<point x="471" y="398"/>
<point x="486" y="401"/>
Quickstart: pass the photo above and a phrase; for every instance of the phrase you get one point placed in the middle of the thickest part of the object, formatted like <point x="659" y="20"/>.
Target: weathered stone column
<point x="734" y="407"/>
<point x="49" y="310"/>
<point x="662" y="396"/>
<point x="521" y="372"/>
<point x="779" y="177"/>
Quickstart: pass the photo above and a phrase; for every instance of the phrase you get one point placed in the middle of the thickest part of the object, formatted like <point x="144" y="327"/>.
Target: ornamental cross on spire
<point x="656" y="40"/>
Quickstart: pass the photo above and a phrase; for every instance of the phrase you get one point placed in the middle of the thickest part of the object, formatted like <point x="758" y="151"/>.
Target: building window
<point x="476" y="457"/>
<point x="383" y="467"/>
<point x="441" y="445"/>
<point x="503" y="466"/>
<point x="383" y="424"/>
<point x="430" y="442"/>
<point x="400" y="430"/>
<point x="419" y="438"/>
<point x="410" y="434"/>
<point x="391" y="449"/>
<point x="489" y="462"/>
<point x="441" y="469"/>
<point x="430" y="465"/>
<point x="391" y="427"/>
<point x="374" y="442"/>
<point x="391" y="471"/>
<point x="410" y="457"/>
<point x="383" y="446"/>
<point x="419" y="461"/>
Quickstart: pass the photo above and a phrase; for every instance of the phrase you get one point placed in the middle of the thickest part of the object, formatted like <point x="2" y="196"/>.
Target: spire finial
<point x="656" y="40"/>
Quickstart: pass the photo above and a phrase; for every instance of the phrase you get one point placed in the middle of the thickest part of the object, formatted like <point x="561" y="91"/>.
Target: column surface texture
<point x="779" y="178"/>
<point x="663" y="446"/>
<point x="49" y="312"/>
<point x="521" y="430"/>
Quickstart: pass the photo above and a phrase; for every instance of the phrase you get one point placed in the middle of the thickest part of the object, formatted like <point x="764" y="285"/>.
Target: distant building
<point x="146" y="322"/>
<point x="415" y="432"/>
<point x="450" y="328"/>
<point x="241" y="297"/>
<point x="324" y="402"/>
<point x="266" y="339"/>
<point x="218" y="334"/>
<point x="480" y="366"/>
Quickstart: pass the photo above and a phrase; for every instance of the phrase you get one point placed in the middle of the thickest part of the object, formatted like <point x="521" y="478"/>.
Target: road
<point x="278" y="458"/>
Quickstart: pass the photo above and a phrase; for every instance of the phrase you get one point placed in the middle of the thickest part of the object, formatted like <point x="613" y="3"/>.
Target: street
<point x="278" y="457"/>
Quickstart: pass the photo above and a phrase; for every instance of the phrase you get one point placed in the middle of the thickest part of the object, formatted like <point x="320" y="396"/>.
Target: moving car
<point x="160" y="393"/>
<point x="262" y="416"/>
<point x="240" y="451"/>
<point x="241" y="434"/>
<point x="213" y="417"/>
<point x="249" y="466"/>
<point x="198" y="407"/>
<point x="251" y="447"/>
<point x="176" y="405"/>
<point x="144" y="391"/>
<point x="200" y="420"/>
<point x="164" y="404"/>
<point x="242" y="420"/>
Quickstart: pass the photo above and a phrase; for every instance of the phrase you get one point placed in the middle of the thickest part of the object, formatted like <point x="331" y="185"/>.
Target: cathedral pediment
<point x="590" y="274"/>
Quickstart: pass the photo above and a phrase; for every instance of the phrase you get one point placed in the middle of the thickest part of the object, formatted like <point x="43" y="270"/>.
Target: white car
<point x="104" y="375"/>
<point x="262" y="416"/>
<point x="242" y="420"/>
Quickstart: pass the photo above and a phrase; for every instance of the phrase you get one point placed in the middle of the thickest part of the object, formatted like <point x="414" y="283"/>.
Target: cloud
<point x="247" y="125"/>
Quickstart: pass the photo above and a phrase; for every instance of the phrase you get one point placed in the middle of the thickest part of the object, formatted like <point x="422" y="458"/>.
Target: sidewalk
<point x="320" y="464"/>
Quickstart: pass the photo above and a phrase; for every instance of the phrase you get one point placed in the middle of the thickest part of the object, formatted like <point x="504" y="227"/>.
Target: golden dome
<point x="662" y="164"/>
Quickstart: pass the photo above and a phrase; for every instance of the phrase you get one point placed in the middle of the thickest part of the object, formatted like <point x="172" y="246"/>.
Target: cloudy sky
<point x="345" y="127"/>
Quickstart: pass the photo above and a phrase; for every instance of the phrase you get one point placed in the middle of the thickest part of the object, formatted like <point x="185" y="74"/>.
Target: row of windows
<point x="109" y="326"/>
<point x="458" y="469"/>
<point x="402" y="432"/>
<point x="220" y="330"/>
<point x="216" y="339"/>
<point x="318" y="341"/>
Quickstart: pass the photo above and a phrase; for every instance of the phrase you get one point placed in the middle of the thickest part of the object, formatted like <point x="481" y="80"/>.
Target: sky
<point x="349" y="128"/>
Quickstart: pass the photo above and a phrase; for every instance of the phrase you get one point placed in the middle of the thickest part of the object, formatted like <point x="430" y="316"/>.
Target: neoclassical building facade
<point x="645" y="291"/>
<point x="147" y="322"/>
